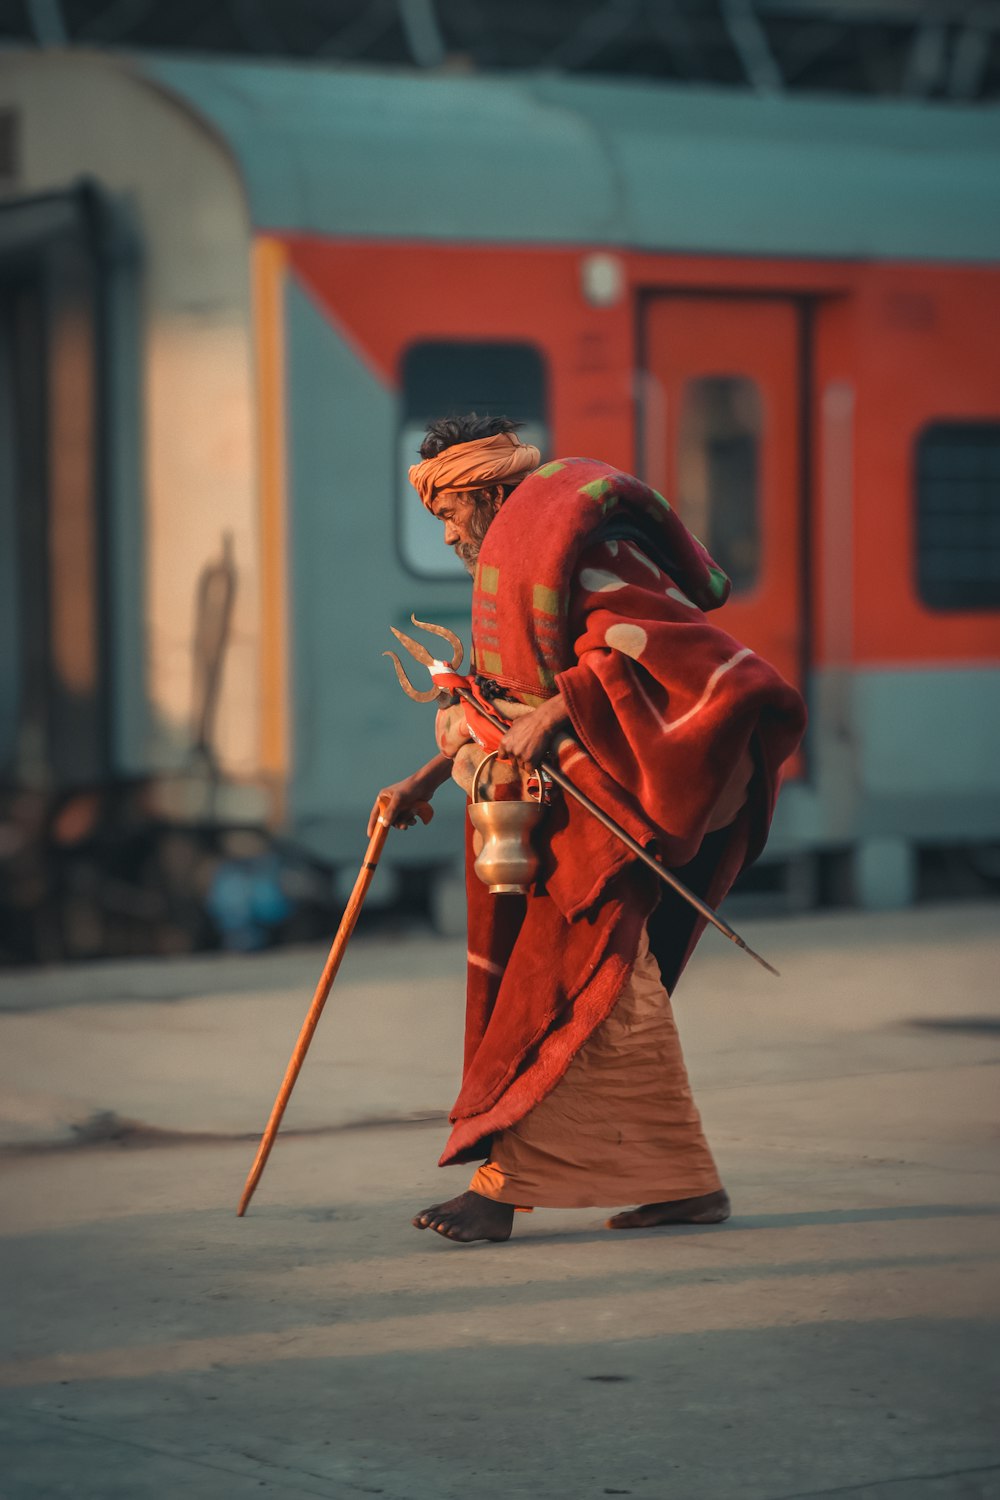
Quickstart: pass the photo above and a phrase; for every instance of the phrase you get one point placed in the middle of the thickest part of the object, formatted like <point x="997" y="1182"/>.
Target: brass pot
<point x="507" y="863"/>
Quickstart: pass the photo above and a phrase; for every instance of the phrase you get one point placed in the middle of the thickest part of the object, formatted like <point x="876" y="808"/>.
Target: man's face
<point x="466" y="516"/>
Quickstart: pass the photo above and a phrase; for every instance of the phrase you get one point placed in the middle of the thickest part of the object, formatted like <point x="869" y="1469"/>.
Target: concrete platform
<point x="837" y="1338"/>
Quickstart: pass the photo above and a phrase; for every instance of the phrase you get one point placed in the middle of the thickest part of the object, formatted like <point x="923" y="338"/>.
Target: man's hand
<point x="528" y="738"/>
<point x="404" y="801"/>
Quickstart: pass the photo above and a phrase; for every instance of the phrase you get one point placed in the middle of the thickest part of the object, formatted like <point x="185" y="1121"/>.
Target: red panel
<point x="386" y="297"/>
<point x="928" y="350"/>
<point x="913" y="344"/>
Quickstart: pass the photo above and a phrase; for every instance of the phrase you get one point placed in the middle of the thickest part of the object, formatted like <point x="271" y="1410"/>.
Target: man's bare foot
<point x="713" y="1208"/>
<point x="468" y="1217"/>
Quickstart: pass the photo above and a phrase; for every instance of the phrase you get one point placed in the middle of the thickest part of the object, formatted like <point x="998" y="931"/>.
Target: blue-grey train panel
<point x="564" y="160"/>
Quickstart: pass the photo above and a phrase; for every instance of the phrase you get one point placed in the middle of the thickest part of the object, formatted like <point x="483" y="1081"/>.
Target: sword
<point x="487" y="727"/>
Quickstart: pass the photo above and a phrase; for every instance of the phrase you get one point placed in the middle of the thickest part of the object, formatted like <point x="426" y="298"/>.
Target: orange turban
<point x="502" y="459"/>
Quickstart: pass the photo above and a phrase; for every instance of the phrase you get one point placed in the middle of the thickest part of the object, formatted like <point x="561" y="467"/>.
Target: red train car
<point x="783" y="314"/>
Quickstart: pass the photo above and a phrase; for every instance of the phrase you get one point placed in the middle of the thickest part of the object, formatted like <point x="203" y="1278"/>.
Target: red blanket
<point x="589" y="584"/>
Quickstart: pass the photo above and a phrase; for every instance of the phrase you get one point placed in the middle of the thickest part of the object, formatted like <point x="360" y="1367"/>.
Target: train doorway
<point x="54" y="688"/>
<point x="723" y="439"/>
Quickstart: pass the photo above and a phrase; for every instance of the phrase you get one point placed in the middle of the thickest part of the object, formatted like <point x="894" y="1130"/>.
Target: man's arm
<point x="401" y="797"/>
<point x="530" y="735"/>
<point x="525" y="743"/>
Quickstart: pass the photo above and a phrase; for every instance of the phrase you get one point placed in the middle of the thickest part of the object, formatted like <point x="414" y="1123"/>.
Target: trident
<point x="488" y="727"/>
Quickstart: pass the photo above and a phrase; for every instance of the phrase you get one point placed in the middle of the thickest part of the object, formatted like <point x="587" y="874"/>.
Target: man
<point x="589" y="633"/>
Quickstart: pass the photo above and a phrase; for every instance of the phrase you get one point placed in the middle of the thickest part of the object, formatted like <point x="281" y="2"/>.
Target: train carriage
<point x="241" y="291"/>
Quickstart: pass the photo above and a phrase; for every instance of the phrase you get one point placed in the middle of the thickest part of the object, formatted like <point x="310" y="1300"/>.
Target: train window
<point x="718" y="470"/>
<point x="958" y="515"/>
<point x="444" y="379"/>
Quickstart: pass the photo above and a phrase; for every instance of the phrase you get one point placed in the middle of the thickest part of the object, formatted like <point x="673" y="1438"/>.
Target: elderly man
<point x="589" y="598"/>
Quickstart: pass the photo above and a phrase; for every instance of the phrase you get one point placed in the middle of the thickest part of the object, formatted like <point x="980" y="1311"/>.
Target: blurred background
<point x="748" y="249"/>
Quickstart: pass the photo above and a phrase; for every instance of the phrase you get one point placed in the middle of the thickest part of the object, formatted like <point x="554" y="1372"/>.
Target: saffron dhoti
<point x="620" y="1127"/>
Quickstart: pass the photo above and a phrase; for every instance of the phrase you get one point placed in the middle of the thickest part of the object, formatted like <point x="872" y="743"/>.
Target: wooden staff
<point x="347" y="923"/>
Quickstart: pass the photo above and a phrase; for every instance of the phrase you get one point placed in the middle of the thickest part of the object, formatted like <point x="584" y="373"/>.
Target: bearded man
<point x="589" y="598"/>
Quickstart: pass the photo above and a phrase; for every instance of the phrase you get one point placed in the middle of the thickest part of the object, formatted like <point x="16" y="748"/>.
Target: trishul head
<point x="425" y="658"/>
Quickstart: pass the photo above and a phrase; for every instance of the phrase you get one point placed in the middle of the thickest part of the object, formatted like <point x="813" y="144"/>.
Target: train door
<point x="54" y="709"/>
<point x="722" y="439"/>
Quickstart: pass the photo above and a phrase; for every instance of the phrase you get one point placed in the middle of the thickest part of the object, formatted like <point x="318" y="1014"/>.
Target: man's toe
<point x="425" y="1219"/>
<point x="625" y="1221"/>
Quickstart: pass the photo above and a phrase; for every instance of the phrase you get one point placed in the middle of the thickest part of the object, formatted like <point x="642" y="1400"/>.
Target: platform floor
<point x="839" y="1337"/>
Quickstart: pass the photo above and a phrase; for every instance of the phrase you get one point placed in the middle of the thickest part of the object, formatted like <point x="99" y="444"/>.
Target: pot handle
<point x="492" y="755"/>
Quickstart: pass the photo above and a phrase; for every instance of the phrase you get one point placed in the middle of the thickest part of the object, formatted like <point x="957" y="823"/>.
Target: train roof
<point x="560" y="160"/>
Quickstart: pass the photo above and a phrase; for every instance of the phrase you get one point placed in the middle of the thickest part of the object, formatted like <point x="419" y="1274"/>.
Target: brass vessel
<point x="507" y="863"/>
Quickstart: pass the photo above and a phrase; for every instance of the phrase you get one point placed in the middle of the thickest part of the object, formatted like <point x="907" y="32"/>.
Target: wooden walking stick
<point x="347" y="923"/>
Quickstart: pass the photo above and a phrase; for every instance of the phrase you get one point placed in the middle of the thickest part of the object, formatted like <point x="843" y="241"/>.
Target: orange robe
<point x="621" y="1126"/>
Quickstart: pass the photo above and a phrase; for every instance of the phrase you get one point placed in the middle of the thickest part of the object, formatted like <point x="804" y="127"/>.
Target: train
<point x="233" y="293"/>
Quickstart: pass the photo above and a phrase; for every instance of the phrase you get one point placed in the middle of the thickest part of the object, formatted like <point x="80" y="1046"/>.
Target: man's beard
<point x="483" y="514"/>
